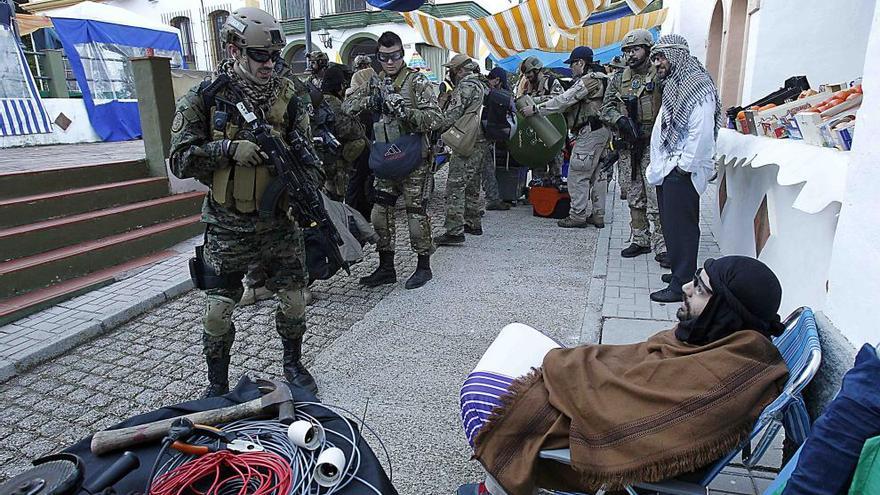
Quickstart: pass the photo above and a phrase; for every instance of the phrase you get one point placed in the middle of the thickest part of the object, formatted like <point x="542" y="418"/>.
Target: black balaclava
<point x="499" y="73"/>
<point x="745" y="296"/>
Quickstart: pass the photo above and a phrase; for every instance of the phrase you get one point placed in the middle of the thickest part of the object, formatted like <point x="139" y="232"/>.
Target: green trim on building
<point x="365" y="18"/>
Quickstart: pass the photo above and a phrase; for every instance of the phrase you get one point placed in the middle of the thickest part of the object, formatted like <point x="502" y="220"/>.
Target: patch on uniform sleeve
<point x="177" y="123"/>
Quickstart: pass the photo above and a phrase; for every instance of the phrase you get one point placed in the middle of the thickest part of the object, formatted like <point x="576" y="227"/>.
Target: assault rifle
<point x="291" y="176"/>
<point x="378" y="90"/>
<point x="637" y="146"/>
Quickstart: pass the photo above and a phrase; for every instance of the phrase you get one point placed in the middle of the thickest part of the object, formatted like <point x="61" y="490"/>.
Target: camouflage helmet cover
<point x="362" y="60"/>
<point x="319" y="56"/>
<point x="250" y="27"/>
<point x="530" y="63"/>
<point x="638" y="37"/>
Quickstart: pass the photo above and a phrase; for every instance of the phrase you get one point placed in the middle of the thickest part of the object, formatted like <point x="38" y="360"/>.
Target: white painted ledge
<point x="822" y="170"/>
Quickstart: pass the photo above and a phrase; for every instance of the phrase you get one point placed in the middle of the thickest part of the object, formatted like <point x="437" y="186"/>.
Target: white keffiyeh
<point x="684" y="88"/>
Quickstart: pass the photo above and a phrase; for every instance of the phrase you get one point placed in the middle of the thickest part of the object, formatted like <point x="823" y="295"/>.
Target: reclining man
<point x="630" y="413"/>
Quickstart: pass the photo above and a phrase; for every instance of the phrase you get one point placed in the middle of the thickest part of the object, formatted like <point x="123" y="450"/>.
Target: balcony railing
<point x="295" y="9"/>
<point x="342" y="6"/>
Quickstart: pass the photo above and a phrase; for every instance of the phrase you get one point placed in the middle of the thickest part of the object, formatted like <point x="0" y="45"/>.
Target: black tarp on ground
<point x="370" y="469"/>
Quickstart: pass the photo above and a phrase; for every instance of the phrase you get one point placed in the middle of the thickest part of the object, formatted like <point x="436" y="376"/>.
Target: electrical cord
<point x="271" y="435"/>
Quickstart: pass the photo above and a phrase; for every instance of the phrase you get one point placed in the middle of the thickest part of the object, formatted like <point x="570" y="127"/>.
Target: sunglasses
<point x="698" y="282"/>
<point x="261" y="56"/>
<point x="389" y="56"/>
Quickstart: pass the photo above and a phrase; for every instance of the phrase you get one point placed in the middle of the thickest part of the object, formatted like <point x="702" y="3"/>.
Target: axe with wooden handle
<point x="276" y="396"/>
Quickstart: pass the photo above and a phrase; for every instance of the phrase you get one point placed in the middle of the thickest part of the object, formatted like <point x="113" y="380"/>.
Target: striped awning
<point x="28" y="23"/>
<point x="607" y="33"/>
<point x="533" y="24"/>
<point x="457" y="36"/>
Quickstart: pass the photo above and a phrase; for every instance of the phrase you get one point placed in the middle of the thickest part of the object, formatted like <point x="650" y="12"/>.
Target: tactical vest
<point x="577" y="115"/>
<point x="645" y="87"/>
<point x="242" y="187"/>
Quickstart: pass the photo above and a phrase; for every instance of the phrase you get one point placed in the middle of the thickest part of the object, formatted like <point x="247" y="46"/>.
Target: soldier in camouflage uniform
<point x="463" y="184"/>
<point x="581" y="104"/>
<point x="318" y="63"/>
<point x="209" y="143"/>
<point x="638" y="80"/>
<point x="410" y="108"/>
<point x="541" y="84"/>
<point x="347" y="129"/>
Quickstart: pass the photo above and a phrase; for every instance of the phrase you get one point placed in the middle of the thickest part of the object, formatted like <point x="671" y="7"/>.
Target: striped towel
<point x="517" y="349"/>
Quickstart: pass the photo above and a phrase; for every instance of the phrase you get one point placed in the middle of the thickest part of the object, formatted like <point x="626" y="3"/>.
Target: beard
<point x="684" y="311"/>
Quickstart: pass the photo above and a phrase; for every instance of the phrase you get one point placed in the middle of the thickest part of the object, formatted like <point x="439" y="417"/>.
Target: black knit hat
<point x="334" y="79"/>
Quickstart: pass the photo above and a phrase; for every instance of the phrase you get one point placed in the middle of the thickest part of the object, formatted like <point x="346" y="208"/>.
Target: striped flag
<point x="610" y="32"/>
<point x="23" y="116"/>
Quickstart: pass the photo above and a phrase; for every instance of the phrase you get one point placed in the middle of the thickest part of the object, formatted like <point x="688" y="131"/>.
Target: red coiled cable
<point x="269" y="472"/>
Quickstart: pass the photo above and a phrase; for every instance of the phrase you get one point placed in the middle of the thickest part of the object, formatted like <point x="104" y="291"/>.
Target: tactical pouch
<point x="204" y="277"/>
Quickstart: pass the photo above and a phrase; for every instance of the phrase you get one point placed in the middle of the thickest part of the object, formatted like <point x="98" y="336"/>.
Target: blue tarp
<point x="555" y="61"/>
<point x="610" y="14"/>
<point x="98" y="53"/>
<point x="397" y="5"/>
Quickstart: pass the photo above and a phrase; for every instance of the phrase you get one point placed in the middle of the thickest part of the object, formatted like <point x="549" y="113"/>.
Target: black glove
<point x="627" y="130"/>
<point x="595" y="123"/>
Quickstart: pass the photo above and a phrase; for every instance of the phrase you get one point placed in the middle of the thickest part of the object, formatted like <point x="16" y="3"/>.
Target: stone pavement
<point x="407" y="352"/>
<point x="68" y="155"/>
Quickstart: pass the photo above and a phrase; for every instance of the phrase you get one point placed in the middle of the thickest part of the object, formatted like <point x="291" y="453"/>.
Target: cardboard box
<point x="808" y="126"/>
<point x="769" y="121"/>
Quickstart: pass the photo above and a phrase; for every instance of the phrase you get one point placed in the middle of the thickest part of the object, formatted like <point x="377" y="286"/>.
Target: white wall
<point x="824" y="40"/>
<point x="80" y="130"/>
<point x="855" y="264"/>
<point x="690" y="18"/>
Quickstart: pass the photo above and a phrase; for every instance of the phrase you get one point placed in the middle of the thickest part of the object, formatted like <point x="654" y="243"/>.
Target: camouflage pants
<point x="585" y="181"/>
<point x="490" y="182"/>
<point x="279" y="251"/>
<point x="463" y="190"/>
<point x="644" y="212"/>
<point x="415" y="189"/>
<point x="624" y="173"/>
<point x="336" y="175"/>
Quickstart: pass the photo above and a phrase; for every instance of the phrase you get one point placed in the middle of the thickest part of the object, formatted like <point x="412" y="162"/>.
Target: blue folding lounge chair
<point x="799" y="347"/>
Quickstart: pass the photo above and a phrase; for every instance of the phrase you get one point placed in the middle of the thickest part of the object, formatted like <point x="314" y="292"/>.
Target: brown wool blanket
<point x="629" y="413"/>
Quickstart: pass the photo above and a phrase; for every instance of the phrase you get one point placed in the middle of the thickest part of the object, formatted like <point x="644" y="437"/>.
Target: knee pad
<point x="218" y="315"/>
<point x="292" y="303"/>
<point x="385" y="199"/>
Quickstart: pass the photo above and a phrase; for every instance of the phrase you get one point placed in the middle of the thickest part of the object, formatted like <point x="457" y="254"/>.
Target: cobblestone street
<point x="156" y="359"/>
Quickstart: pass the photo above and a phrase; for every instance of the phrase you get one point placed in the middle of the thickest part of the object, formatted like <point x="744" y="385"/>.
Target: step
<point x="43" y="181"/>
<point x="18" y="307"/>
<point x="35" y="238"/>
<point x="39" y="207"/>
<point x="42" y="270"/>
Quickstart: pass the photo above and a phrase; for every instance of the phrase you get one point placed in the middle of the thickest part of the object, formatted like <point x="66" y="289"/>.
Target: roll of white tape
<point x="329" y="470"/>
<point x="305" y="434"/>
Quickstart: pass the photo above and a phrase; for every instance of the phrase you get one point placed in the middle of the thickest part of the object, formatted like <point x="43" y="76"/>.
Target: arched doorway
<point x="730" y="80"/>
<point x="295" y="56"/>
<point x="713" y="47"/>
<point x="361" y="46"/>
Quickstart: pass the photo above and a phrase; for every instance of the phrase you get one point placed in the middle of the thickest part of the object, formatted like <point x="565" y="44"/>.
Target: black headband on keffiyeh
<point x="687" y="85"/>
<point x="745" y="296"/>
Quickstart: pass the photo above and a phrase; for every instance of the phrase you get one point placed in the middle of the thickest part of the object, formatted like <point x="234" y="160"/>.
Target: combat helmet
<point x="320" y="57"/>
<point x="530" y="63"/>
<point x="637" y="37"/>
<point x="250" y="27"/>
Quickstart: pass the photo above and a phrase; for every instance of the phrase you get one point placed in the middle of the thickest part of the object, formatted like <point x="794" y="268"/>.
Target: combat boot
<point x="384" y="274"/>
<point x="570" y="222"/>
<point x="294" y="371"/>
<point x="448" y="239"/>
<point x="217" y="358"/>
<point x="422" y="274"/>
<point x="473" y="230"/>
<point x="497" y="205"/>
<point x="253" y="294"/>
<point x="635" y="250"/>
<point x="597" y="220"/>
